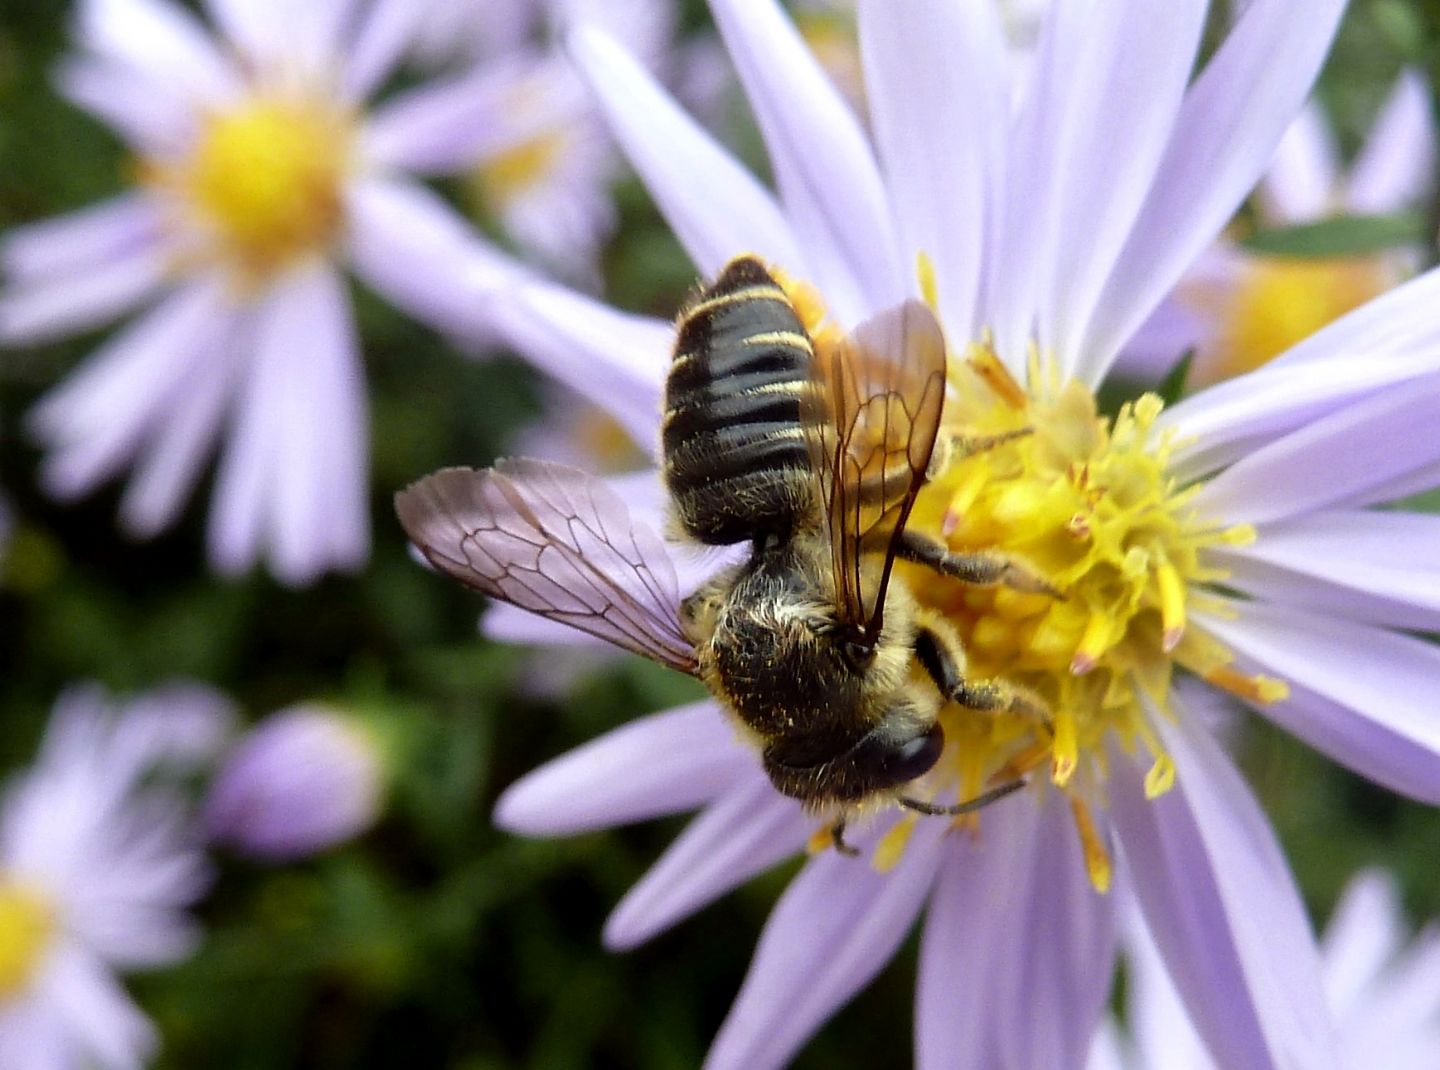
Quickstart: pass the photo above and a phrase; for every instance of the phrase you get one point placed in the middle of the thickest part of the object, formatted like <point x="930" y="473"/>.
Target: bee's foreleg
<point x="940" y="655"/>
<point x="983" y="569"/>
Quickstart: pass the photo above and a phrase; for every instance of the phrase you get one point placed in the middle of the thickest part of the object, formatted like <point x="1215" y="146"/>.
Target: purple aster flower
<point x="1237" y="309"/>
<point x="1383" y="987"/>
<point x="1231" y="538"/>
<point x="98" y="861"/>
<point x="306" y="779"/>
<point x="259" y="178"/>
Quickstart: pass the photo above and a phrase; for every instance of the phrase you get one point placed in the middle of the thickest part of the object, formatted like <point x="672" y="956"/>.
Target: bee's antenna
<point x="966" y="807"/>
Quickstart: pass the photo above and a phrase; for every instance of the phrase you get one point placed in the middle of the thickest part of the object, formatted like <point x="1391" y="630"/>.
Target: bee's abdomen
<point x="736" y="459"/>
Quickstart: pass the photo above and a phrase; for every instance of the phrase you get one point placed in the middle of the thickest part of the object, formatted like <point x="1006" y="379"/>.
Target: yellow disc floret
<point x="27" y="925"/>
<point x="263" y="183"/>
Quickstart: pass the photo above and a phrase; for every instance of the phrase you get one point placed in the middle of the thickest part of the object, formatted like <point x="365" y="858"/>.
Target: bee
<point x="829" y="666"/>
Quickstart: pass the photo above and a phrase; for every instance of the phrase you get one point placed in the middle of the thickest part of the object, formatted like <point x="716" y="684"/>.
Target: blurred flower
<point x="258" y="176"/>
<point x="306" y="779"/>
<point x="537" y="158"/>
<point x="1229" y="536"/>
<point x="1237" y="309"/>
<point x="97" y="864"/>
<point x="1385" y="993"/>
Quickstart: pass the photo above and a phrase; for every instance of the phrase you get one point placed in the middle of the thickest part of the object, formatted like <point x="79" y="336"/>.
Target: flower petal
<point x="713" y="204"/>
<point x="1389" y="340"/>
<point x="1016" y="933"/>
<point x="57" y="307"/>
<point x="1364" y="933"/>
<point x="1097" y="121"/>
<point x="823" y="165"/>
<point x="1358" y="694"/>
<point x="94" y="420"/>
<point x="77" y="241"/>
<point x="661" y="764"/>
<point x="744" y="832"/>
<point x="421" y="255"/>
<point x="1367" y="444"/>
<point x="160" y="43"/>
<point x="1379" y="567"/>
<point x="1396" y="167"/>
<point x="152" y="121"/>
<point x="836" y="925"/>
<point x="386" y="31"/>
<point x="936" y="87"/>
<point x="1220" y="901"/>
<point x="1304" y="176"/>
<point x="1223" y="139"/>
<point x="617" y="360"/>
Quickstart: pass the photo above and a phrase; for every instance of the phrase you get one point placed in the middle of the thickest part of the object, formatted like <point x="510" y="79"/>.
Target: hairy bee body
<point x="835" y="723"/>
<point x="735" y="457"/>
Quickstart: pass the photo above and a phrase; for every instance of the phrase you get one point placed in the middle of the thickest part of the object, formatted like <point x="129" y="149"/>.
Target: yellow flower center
<point x="27" y="926"/>
<point x="1281" y="301"/>
<point x="263" y="184"/>
<point x="507" y="176"/>
<point x="1088" y="503"/>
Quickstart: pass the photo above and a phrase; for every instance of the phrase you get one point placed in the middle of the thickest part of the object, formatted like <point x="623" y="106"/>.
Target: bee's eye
<point x="858" y="654"/>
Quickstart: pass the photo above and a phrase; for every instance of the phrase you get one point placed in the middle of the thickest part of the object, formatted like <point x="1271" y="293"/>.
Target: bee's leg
<point x="983" y="569"/>
<point x="985" y="798"/>
<point x="837" y="837"/>
<point x="940" y="654"/>
<point x="956" y="446"/>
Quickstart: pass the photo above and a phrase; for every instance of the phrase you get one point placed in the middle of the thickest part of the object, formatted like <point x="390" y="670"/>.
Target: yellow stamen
<point x="27" y="926"/>
<point x="508" y="175"/>
<point x="1065" y="749"/>
<point x="1093" y="643"/>
<point x="925" y="271"/>
<point x="1172" y="606"/>
<point x="1097" y="858"/>
<point x="1262" y="689"/>
<point x="1160" y="778"/>
<point x="996" y="376"/>
<point x="891" y="846"/>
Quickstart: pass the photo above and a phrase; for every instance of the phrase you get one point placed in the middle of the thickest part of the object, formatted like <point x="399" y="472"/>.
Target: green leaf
<point x="1343" y="236"/>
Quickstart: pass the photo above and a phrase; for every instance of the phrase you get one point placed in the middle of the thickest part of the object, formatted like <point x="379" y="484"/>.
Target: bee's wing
<point x="556" y="541"/>
<point x="872" y="427"/>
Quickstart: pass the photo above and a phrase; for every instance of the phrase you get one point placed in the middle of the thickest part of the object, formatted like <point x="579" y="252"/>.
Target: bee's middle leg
<point x="944" y="665"/>
<point x="983" y="569"/>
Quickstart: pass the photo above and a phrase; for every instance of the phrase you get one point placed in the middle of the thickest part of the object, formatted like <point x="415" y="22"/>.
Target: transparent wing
<point x="880" y="396"/>
<point x="555" y="541"/>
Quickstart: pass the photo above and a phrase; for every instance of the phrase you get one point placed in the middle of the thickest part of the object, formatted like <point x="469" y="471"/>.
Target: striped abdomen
<point x="736" y="461"/>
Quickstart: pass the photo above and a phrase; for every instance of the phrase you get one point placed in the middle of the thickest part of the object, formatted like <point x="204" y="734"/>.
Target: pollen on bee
<point x="891" y="846"/>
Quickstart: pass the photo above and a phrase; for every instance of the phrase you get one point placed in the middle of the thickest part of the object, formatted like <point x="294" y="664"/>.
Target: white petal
<point x="617" y="360"/>
<point x="836" y="925"/>
<point x="823" y="165"/>
<point x="1220" y="901"/>
<point x="1018" y="952"/>
<point x="1301" y="185"/>
<point x="57" y="307"/>
<point x="1224" y="136"/>
<point x="1366" y="930"/>
<point x="714" y="205"/>
<point x="162" y="42"/>
<point x="386" y="31"/>
<point x="1378" y="567"/>
<point x="278" y="33"/>
<point x="661" y="764"/>
<point x="147" y="118"/>
<point x="744" y="832"/>
<point x="1388" y="340"/>
<point x="1358" y="694"/>
<point x="936" y="88"/>
<point x="67" y="244"/>
<point x="1340" y="458"/>
<point x="1108" y="87"/>
<point x="1396" y="166"/>
<point x="94" y="420"/>
<point x="419" y="253"/>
